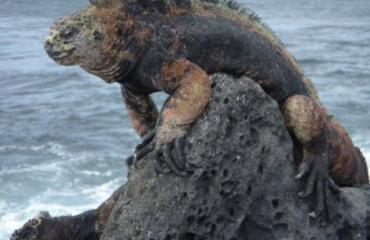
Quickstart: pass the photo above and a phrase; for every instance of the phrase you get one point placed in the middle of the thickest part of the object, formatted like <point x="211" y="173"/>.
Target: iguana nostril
<point x="48" y="44"/>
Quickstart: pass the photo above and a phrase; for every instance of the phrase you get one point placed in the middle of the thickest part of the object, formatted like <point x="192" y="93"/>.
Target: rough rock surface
<point x="240" y="185"/>
<point x="240" y="182"/>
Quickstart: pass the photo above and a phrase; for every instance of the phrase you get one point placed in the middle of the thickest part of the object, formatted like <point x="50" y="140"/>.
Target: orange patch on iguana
<point x="122" y="36"/>
<point x="305" y="117"/>
<point x="113" y="22"/>
<point x="117" y="25"/>
<point x="190" y="89"/>
<point x="345" y="158"/>
<point x="171" y="73"/>
<point x="175" y="11"/>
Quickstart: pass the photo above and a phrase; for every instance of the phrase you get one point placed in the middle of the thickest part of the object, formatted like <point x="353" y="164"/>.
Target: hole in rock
<point x="226" y="173"/>
<point x="275" y="203"/>
<point x="190" y="220"/>
<point x="202" y="220"/>
<point x="281" y="227"/>
<point x="232" y="212"/>
<point x="184" y="195"/>
<point x="249" y="190"/>
<point x="187" y="236"/>
<point x="278" y="216"/>
<point x="220" y="220"/>
<point x="260" y="169"/>
<point x="254" y="135"/>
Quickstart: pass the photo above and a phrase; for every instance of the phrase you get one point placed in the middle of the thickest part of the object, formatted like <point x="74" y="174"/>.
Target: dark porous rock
<point x="239" y="184"/>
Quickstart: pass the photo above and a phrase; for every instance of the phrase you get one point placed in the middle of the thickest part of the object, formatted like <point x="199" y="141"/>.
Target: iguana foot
<point x="163" y="147"/>
<point x="132" y="160"/>
<point x="314" y="169"/>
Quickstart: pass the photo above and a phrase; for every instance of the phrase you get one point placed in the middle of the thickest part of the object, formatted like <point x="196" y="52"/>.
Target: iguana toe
<point x="314" y="170"/>
<point x="179" y="149"/>
<point x="148" y="137"/>
<point x="172" y="161"/>
<point x="142" y="153"/>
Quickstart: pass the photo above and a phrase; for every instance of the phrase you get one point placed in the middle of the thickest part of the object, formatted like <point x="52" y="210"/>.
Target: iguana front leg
<point x="141" y="110"/>
<point x="189" y="88"/>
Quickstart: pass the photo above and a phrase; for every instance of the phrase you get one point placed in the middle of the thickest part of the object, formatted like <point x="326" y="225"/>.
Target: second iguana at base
<point x="172" y="46"/>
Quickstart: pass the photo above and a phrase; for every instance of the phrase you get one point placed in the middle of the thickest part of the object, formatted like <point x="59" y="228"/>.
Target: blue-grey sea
<point x="64" y="134"/>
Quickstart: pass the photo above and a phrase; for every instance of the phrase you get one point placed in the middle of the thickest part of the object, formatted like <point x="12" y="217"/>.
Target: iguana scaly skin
<point x="172" y="46"/>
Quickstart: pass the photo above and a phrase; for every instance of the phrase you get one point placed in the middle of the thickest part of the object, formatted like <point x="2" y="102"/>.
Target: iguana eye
<point x="68" y="33"/>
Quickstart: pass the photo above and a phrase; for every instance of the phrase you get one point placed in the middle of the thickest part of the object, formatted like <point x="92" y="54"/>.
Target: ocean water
<point x="64" y="134"/>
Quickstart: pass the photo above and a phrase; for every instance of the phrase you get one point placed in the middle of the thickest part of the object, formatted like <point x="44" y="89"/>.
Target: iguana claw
<point x="314" y="168"/>
<point x="175" y="162"/>
<point x="146" y="140"/>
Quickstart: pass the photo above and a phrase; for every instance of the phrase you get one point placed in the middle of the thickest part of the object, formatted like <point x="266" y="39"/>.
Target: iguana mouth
<point x="60" y="55"/>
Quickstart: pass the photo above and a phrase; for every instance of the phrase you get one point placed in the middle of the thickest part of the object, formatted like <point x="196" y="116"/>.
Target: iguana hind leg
<point x="308" y="122"/>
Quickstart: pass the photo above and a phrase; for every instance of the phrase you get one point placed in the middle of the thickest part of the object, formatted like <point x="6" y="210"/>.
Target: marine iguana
<point x="172" y="46"/>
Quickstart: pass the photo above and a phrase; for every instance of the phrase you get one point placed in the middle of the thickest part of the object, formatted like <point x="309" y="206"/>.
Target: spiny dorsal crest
<point x="156" y="5"/>
<point x="164" y="5"/>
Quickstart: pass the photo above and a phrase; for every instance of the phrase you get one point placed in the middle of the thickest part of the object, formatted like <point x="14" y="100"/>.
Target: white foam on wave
<point x="96" y="173"/>
<point x="13" y="216"/>
<point x="100" y="192"/>
<point x="27" y="168"/>
<point x="5" y="148"/>
<point x="51" y="148"/>
<point x="74" y="197"/>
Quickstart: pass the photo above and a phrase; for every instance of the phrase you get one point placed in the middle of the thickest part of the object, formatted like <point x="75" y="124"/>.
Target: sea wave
<point x="13" y="215"/>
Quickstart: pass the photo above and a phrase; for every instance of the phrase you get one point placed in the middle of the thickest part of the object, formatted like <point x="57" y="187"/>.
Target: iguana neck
<point x="119" y="55"/>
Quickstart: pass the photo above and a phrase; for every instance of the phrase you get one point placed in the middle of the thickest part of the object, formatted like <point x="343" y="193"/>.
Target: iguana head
<point x="70" y="37"/>
<point x="101" y="38"/>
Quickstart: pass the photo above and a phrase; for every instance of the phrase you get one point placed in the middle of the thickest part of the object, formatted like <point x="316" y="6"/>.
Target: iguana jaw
<point x="60" y="54"/>
<point x="72" y="39"/>
<point x="59" y="43"/>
